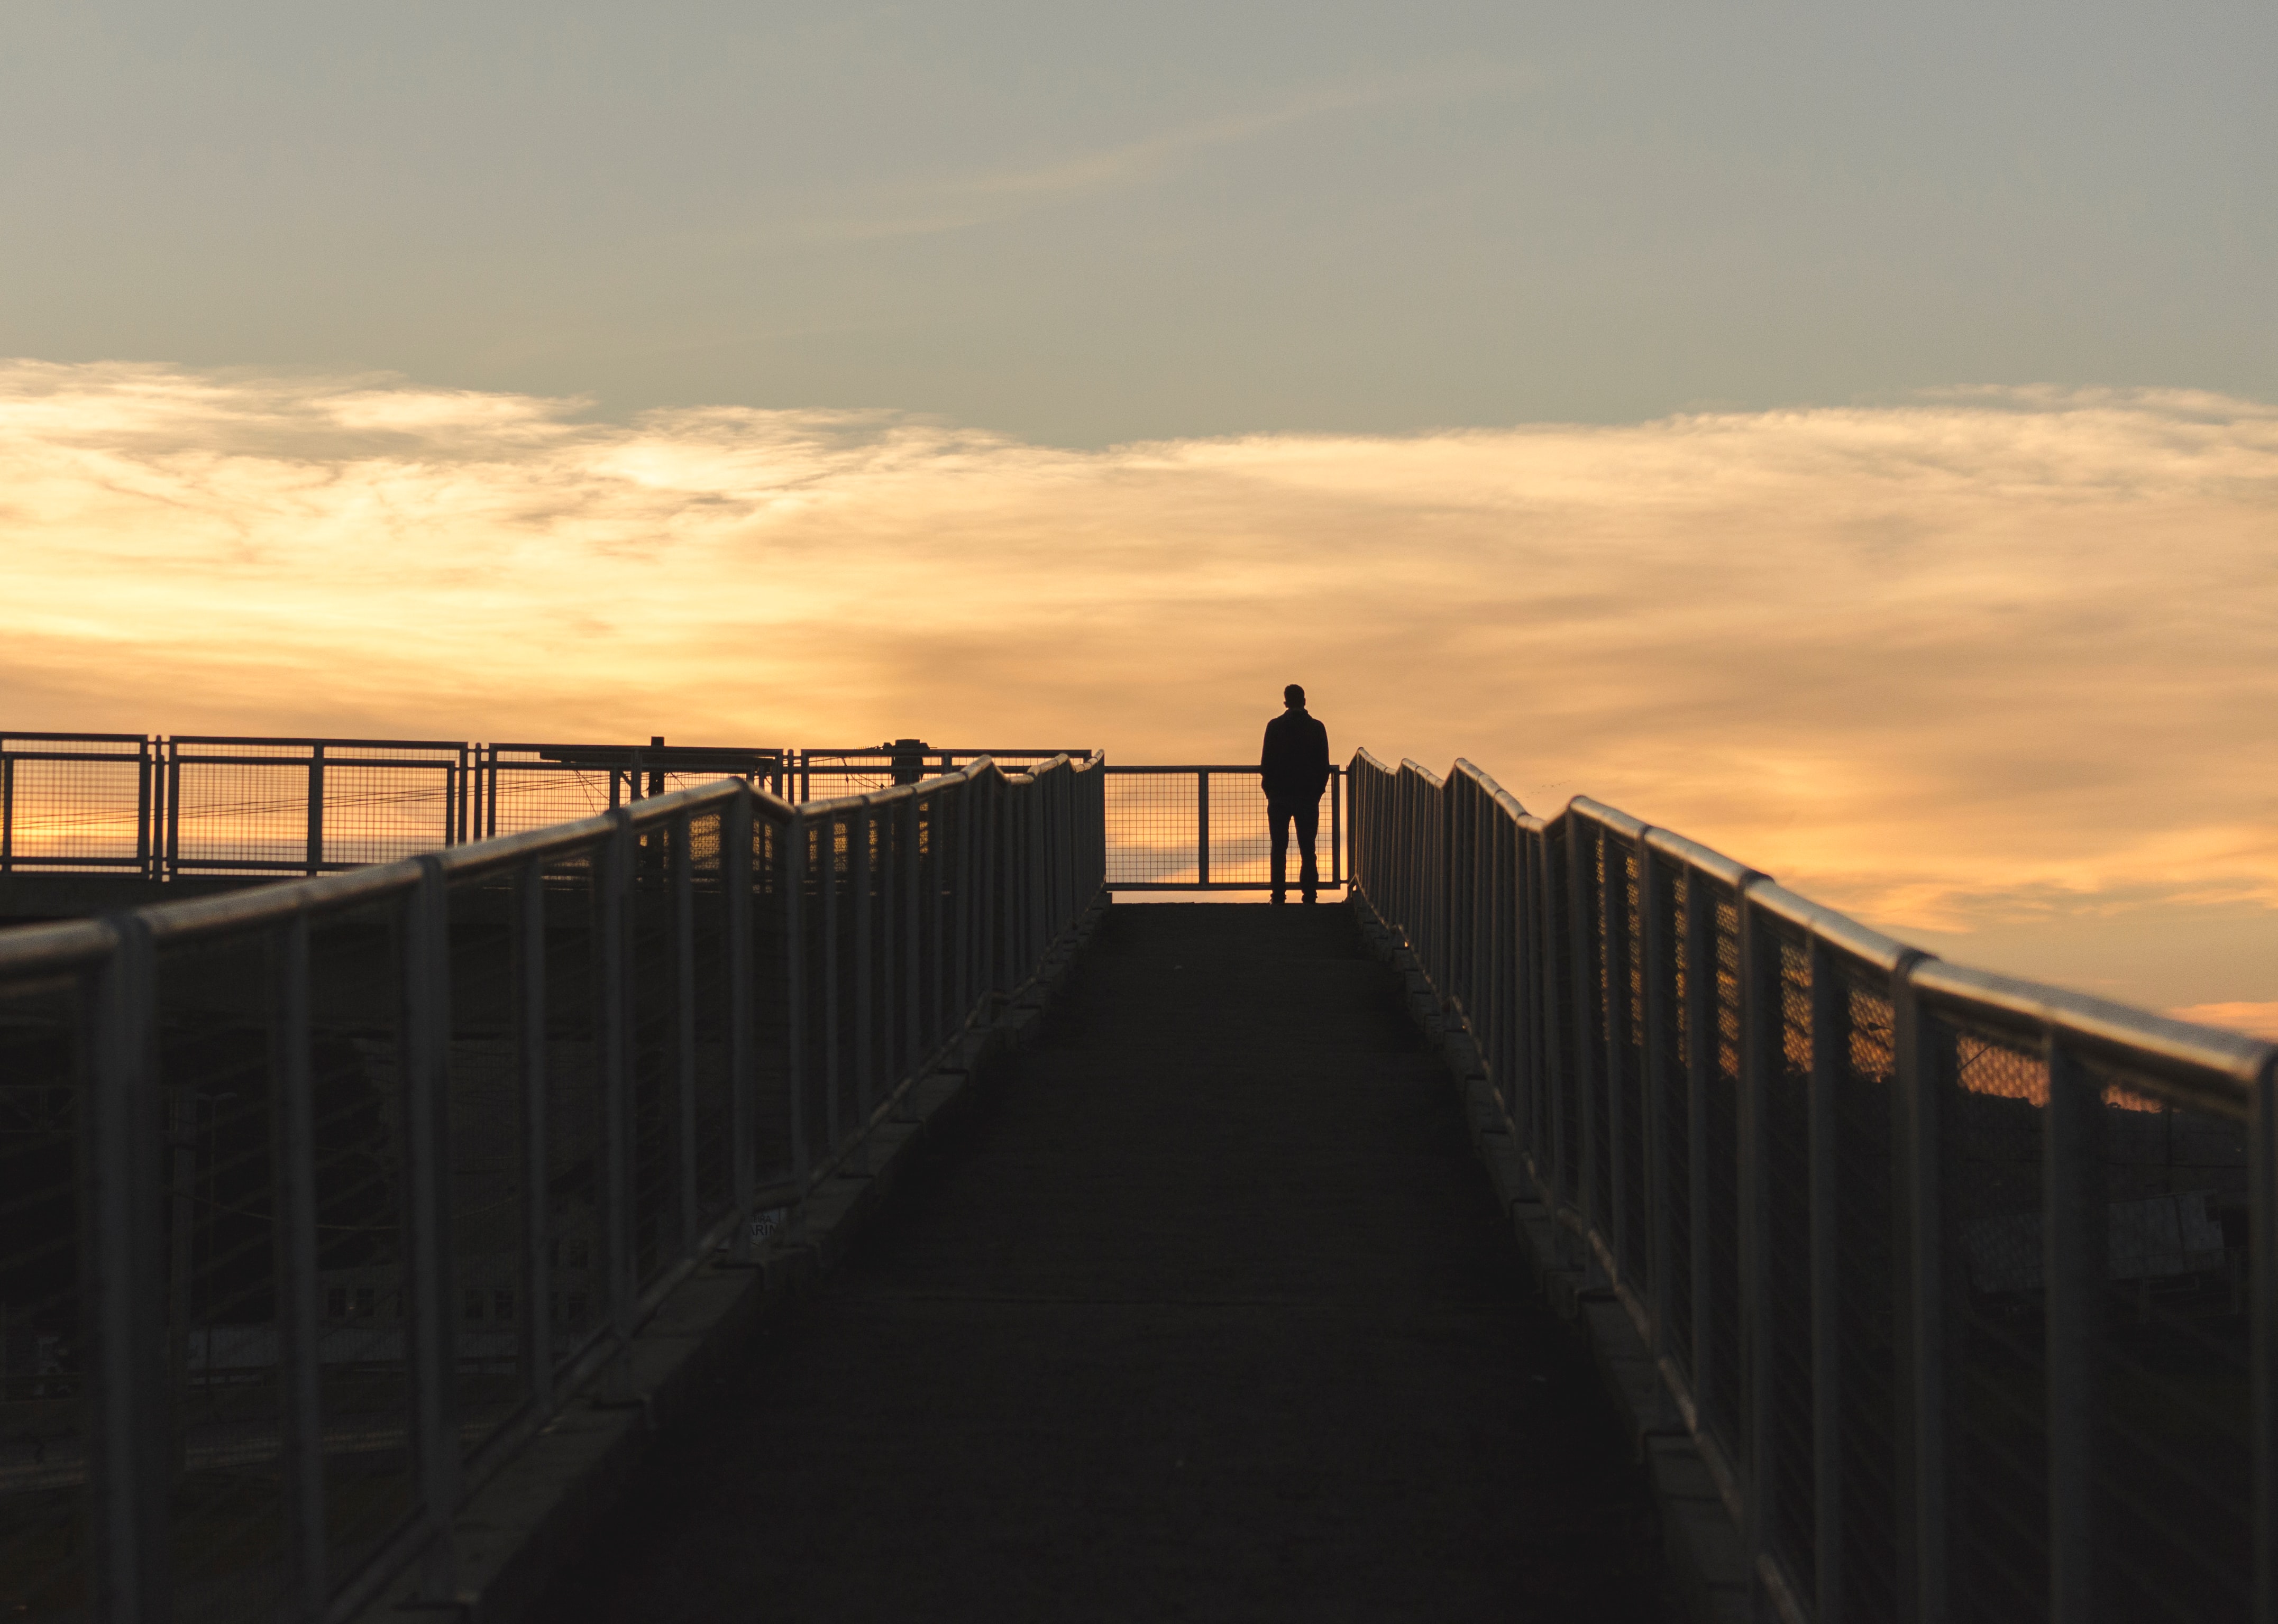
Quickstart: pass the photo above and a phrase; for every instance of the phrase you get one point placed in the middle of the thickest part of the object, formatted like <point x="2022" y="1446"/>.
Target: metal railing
<point x="1204" y="828"/>
<point x="1966" y="1286"/>
<point x="162" y="807"/>
<point x="321" y="1197"/>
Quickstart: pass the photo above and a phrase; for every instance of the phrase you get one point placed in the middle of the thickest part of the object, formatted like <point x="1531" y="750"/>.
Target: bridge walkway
<point x="1204" y="1311"/>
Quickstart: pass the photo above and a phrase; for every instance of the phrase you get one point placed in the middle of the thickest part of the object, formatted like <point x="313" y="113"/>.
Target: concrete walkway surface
<point x="1203" y="1311"/>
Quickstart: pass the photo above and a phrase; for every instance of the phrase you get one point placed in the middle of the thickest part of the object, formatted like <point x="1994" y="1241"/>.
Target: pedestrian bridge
<point x="793" y="1191"/>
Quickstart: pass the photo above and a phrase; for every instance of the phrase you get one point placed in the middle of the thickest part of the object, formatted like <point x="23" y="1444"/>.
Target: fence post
<point x="2262" y="1259"/>
<point x="299" y="1358"/>
<point x="614" y="1030"/>
<point x="1614" y="936"/>
<point x="742" y="1051"/>
<point x="1925" y="1062"/>
<point x="537" y="1325"/>
<point x="1760" y="1021"/>
<point x="129" y="1453"/>
<point x="794" y="887"/>
<point x="912" y="942"/>
<point x="427" y="1176"/>
<point x="1202" y="826"/>
<point x="827" y="927"/>
<point x="1583" y="963"/>
<point x="1830" y="1043"/>
<point x="1700" y="1059"/>
<point x="1655" y="983"/>
<point x="2075" y="1221"/>
<point x="860" y="882"/>
<point x="315" y="855"/>
<point x="683" y="1026"/>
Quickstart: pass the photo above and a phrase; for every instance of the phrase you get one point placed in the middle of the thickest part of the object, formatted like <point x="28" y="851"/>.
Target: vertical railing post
<point x="1831" y="1048"/>
<point x="1583" y="965"/>
<point x="861" y="883"/>
<point x="1202" y="827"/>
<point x="913" y="938"/>
<point x="315" y="855"/>
<point x="2074" y="1228"/>
<point x="1656" y="985"/>
<point x="826" y="970"/>
<point x="124" y="1299"/>
<point x="2262" y="1264"/>
<point x="683" y="1026"/>
<point x="1614" y="939"/>
<point x="743" y="1048"/>
<point x="535" y="1325"/>
<point x="1924" y="1065"/>
<point x="794" y="880"/>
<point x="1761" y="1018"/>
<point x="301" y="1457"/>
<point x="427" y="1221"/>
<point x="614" y="1032"/>
<point x="146" y="773"/>
<point x="1700" y="1063"/>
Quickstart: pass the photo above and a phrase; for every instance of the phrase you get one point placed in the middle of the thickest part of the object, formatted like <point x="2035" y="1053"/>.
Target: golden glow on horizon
<point x="2000" y="656"/>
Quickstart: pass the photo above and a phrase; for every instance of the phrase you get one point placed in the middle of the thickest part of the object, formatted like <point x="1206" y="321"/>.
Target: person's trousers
<point x="1307" y="816"/>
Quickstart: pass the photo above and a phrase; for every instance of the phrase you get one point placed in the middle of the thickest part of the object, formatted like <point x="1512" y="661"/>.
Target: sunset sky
<point x="1847" y="437"/>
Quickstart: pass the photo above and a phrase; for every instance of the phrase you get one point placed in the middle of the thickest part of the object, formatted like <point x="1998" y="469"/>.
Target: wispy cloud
<point x="2002" y="661"/>
<point x="973" y="200"/>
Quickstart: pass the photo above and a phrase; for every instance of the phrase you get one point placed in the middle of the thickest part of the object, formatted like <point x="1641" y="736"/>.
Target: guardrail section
<point x="1204" y="828"/>
<point x="1966" y="1287"/>
<point x="321" y="1197"/>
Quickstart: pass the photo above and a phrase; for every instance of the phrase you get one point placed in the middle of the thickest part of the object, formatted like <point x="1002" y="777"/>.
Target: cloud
<point x="956" y="204"/>
<point x="1993" y="660"/>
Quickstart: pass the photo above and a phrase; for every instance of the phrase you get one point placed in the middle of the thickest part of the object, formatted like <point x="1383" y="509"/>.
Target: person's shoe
<point x="1279" y="899"/>
<point x="1308" y="899"/>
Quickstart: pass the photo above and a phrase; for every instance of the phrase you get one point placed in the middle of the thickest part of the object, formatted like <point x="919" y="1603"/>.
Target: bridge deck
<point x="1205" y="1312"/>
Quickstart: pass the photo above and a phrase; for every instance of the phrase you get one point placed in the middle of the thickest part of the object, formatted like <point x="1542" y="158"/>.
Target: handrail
<point x="1889" y="1226"/>
<point x="435" y="1137"/>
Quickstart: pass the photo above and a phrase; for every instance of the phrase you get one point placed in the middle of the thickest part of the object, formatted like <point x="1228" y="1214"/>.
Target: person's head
<point x="1294" y="697"/>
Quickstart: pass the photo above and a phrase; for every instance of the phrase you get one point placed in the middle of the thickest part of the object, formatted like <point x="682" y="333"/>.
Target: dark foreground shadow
<point x="1206" y="1312"/>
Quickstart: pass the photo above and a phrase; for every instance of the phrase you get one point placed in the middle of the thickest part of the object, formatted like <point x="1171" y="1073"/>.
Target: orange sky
<point x="1993" y="670"/>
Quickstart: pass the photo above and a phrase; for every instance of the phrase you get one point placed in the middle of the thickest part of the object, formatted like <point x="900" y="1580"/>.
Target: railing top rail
<point x="84" y="738"/>
<point x="1122" y="768"/>
<point x="28" y="950"/>
<point x="1838" y="931"/>
<point x="2207" y="1067"/>
<point x="1362" y="755"/>
<point x="1407" y="765"/>
<point x="269" y="905"/>
<point x="1708" y="859"/>
<point x="179" y="739"/>
<point x="1495" y="792"/>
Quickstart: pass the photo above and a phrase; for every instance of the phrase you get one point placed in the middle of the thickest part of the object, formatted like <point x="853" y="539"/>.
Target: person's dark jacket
<point x="1296" y="757"/>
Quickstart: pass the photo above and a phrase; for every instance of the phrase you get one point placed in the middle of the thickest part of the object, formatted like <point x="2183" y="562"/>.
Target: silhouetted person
<point x="1296" y="763"/>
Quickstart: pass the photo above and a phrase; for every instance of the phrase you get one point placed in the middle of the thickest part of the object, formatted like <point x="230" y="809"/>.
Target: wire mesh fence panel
<point x="520" y="791"/>
<point x="240" y="814"/>
<point x="1789" y="1478"/>
<point x="42" y="1444"/>
<point x="73" y="803"/>
<point x="487" y="1183"/>
<point x="1866" y="1461"/>
<point x="355" y="993"/>
<point x="1154" y="828"/>
<point x="1997" y="1109"/>
<point x="2174" y="1468"/>
<point x="378" y="814"/>
<point x="223" y="1342"/>
<point x="1242" y="832"/>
